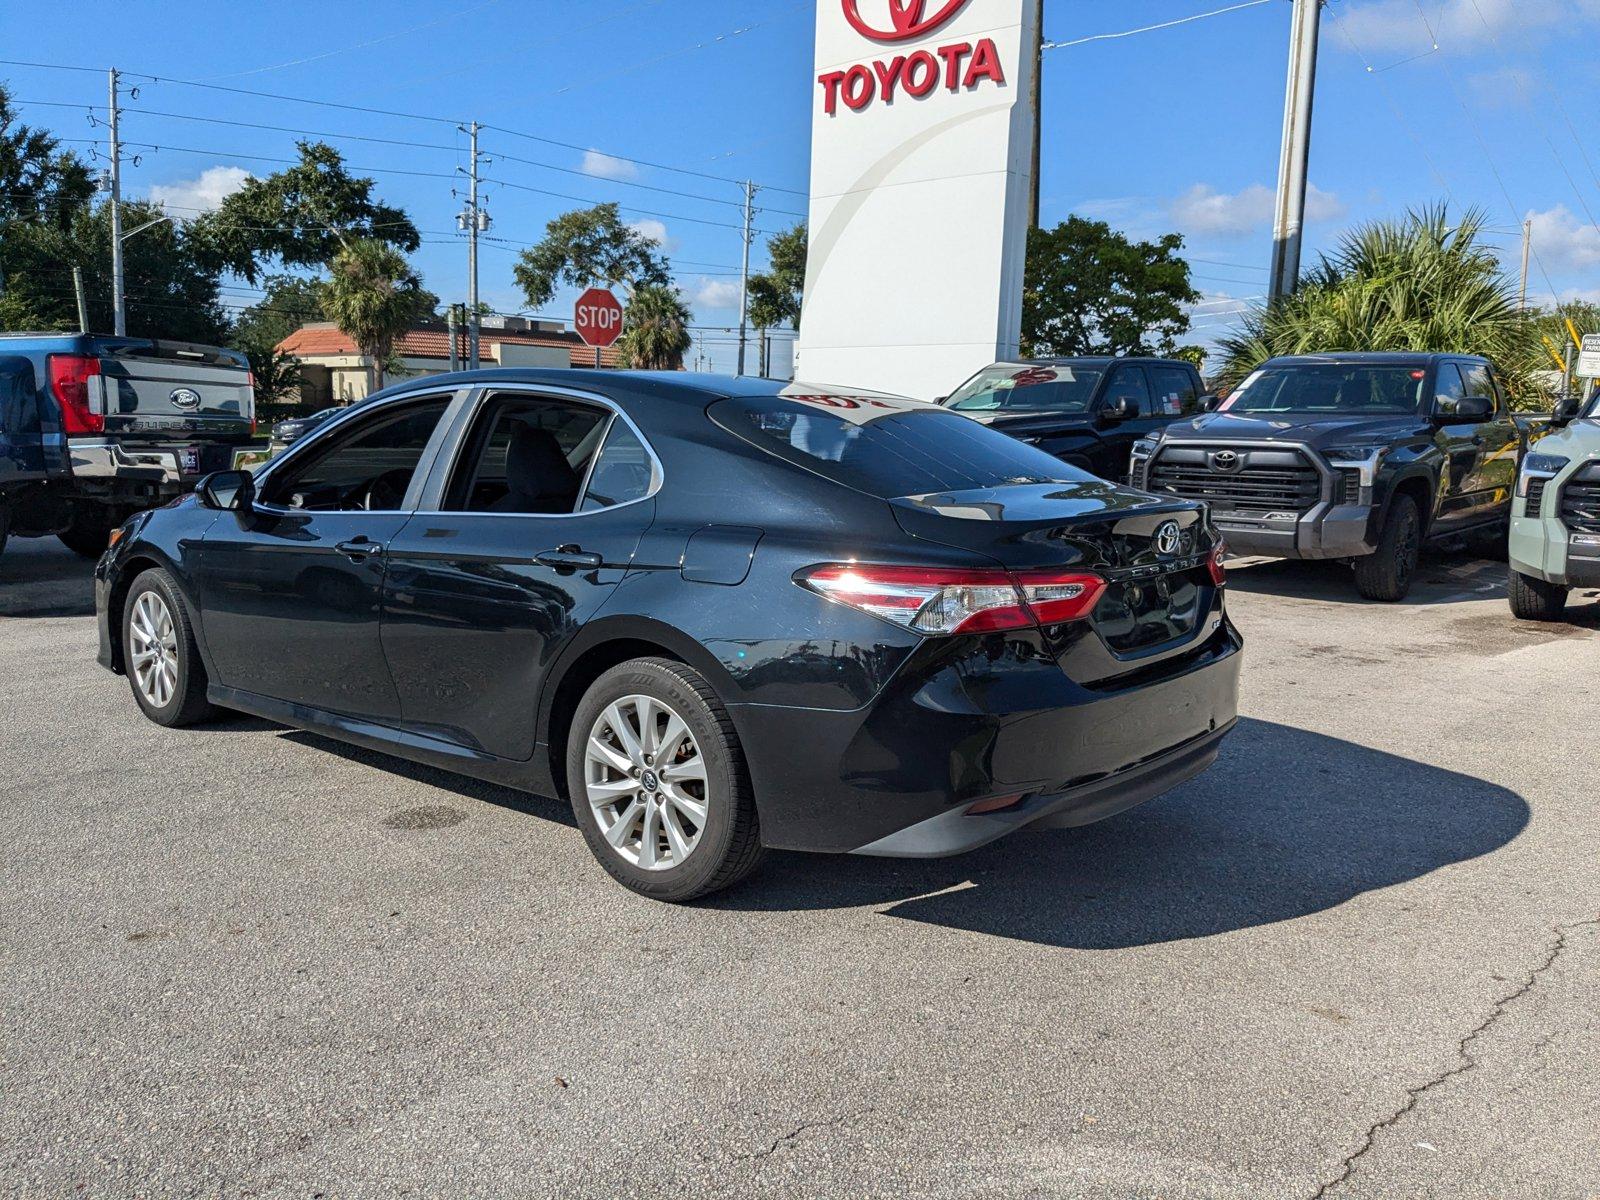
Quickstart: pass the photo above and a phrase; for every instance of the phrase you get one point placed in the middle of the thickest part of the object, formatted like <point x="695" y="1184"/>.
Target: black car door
<point x="1127" y="381"/>
<point x="1494" y="471"/>
<point x="535" y="522"/>
<point x="1459" y="442"/>
<point x="290" y="587"/>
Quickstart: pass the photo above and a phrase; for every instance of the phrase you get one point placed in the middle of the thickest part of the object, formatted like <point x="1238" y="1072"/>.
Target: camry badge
<point x="186" y="399"/>
<point x="1167" y="537"/>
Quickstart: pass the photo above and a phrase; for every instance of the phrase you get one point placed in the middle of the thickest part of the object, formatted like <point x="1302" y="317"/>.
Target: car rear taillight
<point x="1214" y="564"/>
<point x="69" y="376"/>
<point x="938" y="600"/>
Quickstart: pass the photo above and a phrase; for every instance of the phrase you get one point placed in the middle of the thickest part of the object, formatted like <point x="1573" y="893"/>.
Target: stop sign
<point x="598" y="318"/>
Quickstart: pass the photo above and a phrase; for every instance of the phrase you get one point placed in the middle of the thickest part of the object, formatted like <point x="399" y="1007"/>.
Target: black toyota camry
<point x="718" y="615"/>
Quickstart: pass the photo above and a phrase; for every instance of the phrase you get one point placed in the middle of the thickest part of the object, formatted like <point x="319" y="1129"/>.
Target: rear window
<point x="887" y="447"/>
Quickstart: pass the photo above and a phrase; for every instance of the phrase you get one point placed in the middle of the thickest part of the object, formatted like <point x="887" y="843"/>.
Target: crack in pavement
<point x="784" y="1139"/>
<point x="1463" y="1054"/>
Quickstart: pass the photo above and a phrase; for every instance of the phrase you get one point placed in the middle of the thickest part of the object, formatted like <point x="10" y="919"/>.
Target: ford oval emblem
<point x="1168" y="537"/>
<point x="186" y="399"/>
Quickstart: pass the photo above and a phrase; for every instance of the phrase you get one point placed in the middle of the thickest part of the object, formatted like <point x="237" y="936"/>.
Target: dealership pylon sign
<point x="920" y="148"/>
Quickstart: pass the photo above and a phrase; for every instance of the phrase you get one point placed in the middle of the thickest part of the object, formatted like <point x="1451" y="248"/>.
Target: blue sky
<point x="1174" y="129"/>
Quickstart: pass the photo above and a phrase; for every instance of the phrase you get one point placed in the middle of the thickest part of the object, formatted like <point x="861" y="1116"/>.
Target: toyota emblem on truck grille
<point x="1226" y="462"/>
<point x="1167" y="537"/>
<point x="185" y="398"/>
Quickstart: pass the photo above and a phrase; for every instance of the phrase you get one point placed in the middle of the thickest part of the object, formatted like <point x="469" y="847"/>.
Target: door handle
<point x="572" y="558"/>
<point x="359" y="548"/>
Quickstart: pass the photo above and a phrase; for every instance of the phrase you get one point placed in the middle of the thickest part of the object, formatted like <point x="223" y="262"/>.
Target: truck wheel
<point x="1386" y="573"/>
<point x="659" y="784"/>
<point x="159" y="653"/>
<point x="88" y="535"/>
<point x="1533" y="599"/>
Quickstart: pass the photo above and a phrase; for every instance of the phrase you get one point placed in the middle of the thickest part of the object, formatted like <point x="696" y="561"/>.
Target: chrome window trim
<point x="485" y="392"/>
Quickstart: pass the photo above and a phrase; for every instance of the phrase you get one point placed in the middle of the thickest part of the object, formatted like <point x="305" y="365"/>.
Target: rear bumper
<point x="1001" y="720"/>
<point x="163" y="467"/>
<point x="1327" y="531"/>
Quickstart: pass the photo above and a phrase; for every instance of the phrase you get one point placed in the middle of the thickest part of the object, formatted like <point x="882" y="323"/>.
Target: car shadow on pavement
<point x="41" y="578"/>
<point x="1286" y="823"/>
<point x="1443" y="577"/>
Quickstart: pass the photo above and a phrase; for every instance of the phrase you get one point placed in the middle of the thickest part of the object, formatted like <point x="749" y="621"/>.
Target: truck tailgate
<point x="175" y="391"/>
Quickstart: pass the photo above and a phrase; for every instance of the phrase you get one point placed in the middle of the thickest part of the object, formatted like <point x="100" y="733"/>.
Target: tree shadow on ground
<point x="1287" y="823"/>
<point x="39" y="577"/>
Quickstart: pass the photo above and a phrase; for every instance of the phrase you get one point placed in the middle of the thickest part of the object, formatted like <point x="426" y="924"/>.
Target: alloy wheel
<point x="154" y="649"/>
<point x="645" y="779"/>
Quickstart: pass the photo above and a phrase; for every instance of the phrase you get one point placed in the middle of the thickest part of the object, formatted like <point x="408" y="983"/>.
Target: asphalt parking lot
<point x="1359" y="958"/>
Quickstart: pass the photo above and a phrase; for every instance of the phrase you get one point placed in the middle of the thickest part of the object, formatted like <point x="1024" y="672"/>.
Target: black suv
<point x="1087" y="412"/>
<point x="1349" y="456"/>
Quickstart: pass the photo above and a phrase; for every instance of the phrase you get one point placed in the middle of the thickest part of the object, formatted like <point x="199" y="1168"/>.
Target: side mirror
<point x="1118" y="408"/>
<point x="1467" y="408"/>
<point x="227" y="491"/>
<point x="1209" y="402"/>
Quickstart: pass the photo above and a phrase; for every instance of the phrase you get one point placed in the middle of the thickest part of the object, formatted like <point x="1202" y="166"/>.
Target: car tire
<point x="1533" y="599"/>
<point x="159" y="652"/>
<point x="684" y="838"/>
<point x="1386" y="574"/>
<point x="87" y="535"/>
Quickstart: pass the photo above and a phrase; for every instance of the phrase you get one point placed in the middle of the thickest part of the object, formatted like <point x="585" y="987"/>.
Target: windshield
<point x="1591" y="410"/>
<point x="887" y="447"/>
<point x="1329" y="388"/>
<point x="1017" y="388"/>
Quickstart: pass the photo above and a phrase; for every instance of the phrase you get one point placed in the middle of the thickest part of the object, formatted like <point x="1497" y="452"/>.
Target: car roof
<point x="679" y="386"/>
<point x="1376" y="357"/>
<point x="1071" y="360"/>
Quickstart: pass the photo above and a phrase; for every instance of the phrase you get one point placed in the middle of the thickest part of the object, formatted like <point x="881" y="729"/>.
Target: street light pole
<point x="1290" y="212"/>
<point x="744" y="270"/>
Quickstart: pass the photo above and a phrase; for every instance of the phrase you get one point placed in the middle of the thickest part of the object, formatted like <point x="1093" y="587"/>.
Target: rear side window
<point x="1176" y="392"/>
<point x="624" y="471"/>
<point x="887" y="447"/>
<point x="526" y="454"/>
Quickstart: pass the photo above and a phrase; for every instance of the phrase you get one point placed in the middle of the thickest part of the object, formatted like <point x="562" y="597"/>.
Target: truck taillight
<point x="69" y="376"/>
<point x="942" y="600"/>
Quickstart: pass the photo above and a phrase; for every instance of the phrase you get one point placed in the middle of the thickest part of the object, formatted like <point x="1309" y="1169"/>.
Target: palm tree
<point x="1419" y="283"/>
<point x="373" y="297"/>
<point x="655" y="329"/>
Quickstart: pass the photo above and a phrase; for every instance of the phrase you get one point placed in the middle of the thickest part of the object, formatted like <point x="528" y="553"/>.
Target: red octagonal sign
<point x="598" y="317"/>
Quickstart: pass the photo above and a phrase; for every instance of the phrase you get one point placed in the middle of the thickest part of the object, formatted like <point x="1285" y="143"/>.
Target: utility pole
<point x="455" y="345"/>
<point x="1289" y="220"/>
<point x="1527" y="250"/>
<point x="744" y="268"/>
<point x="474" y="220"/>
<point x="1034" y="100"/>
<point x="83" y="305"/>
<point x="119" y="312"/>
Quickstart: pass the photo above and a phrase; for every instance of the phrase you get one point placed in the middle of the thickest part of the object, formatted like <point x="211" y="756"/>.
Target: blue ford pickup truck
<point x="94" y="428"/>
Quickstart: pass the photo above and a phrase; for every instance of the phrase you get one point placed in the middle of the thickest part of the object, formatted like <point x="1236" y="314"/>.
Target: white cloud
<point x="717" y="294"/>
<point x="1564" y="243"/>
<point x="1204" y="210"/>
<point x="1384" y="27"/>
<point x="655" y="230"/>
<point x="603" y="166"/>
<point x="204" y="193"/>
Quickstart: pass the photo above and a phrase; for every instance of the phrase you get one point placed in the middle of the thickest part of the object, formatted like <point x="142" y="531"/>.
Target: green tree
<point x="287" y="303"/>
<point x="1088" y="289"/>
<point x="777" y="293"/>
<point x="585" y="248"/>
<point x="39" y="181"/>
<point x="1419" y="283"/>
<point x="301" y="216"/>
<point x="373" y="296"/>
<point x="277" y="373"/>
<point x="655" y="329"/>
<point x="1549" y="326"/>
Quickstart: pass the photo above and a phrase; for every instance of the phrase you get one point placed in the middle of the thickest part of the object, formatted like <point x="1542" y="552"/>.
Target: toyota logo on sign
<point x="907" y="19"/>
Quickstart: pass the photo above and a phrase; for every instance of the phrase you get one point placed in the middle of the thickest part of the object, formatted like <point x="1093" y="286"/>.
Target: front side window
<point x="367" y="465"/>
<point x="1479" y="383"/>
<point x="887" y="447"/>
<point x="1329" y="388"/>
<point x="1015" y="388"/>
<point x="1176" y="392"/>
<point x="526" y="454"/>
<point x="1128" y="383"/>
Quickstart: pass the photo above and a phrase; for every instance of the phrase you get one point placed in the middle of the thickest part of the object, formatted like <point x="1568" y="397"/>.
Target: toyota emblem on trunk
<point x="185" y="398"/>
<point x="1167" y="537"/>
<point x="1225" y="461"/>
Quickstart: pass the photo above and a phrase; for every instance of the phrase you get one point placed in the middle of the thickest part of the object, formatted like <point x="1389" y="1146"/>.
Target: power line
<point x="1107" y="37"/>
